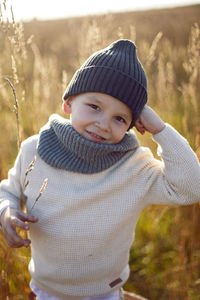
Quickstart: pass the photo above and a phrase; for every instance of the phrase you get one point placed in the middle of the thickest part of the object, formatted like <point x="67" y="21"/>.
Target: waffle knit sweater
<point x="80" y="245"/>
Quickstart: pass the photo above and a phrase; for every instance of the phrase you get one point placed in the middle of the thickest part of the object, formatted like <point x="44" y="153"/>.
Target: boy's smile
<point x="98" y="117"/>
<point x="95" y="137"/>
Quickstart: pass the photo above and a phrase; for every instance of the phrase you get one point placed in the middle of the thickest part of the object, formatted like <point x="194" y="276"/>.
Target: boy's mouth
<point x="95" y="137"/>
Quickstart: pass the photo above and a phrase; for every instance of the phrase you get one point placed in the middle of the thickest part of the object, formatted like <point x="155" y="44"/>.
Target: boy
<point x="99" y="180"/>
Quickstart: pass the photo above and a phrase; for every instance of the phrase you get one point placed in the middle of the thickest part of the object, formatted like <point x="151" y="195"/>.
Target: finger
<point x="141" y="130"/>
<point x="139" y="122"/>
<point x="17" y="244"/>
<point x="139" y="126"/>
<point x="15" y="222"/>
<point x="13" y="239"/>
<point x="27" y="217"/>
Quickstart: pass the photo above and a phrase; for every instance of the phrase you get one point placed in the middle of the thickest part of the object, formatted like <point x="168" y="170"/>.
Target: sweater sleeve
<point x="11" y="188"/>
<point x="176" y="179"/>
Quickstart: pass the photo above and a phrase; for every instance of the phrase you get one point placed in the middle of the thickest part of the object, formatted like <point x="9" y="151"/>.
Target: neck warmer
<point x="61" y="146"/>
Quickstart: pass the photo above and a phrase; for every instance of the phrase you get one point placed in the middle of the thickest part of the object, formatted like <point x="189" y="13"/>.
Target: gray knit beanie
<point x="115" y="71"/>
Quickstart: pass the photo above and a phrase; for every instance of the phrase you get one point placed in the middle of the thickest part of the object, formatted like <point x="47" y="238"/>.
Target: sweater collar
<point x="61" y="146"/>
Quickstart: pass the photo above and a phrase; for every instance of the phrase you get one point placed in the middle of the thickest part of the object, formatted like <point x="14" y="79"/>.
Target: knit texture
<point x="80" y="245"/>
<point x="116" y="71"/>
<point x="62" y="147"/>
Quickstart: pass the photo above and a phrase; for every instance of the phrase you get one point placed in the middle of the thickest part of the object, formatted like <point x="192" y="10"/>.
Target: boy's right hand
<point x="149" y="121"/>
<point x="12" y="218"/>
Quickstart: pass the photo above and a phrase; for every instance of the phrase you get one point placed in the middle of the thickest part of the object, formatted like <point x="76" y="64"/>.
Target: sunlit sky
<point x="47" y="9"/>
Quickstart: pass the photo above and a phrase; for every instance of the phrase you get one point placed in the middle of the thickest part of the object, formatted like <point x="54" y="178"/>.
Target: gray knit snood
<point x="62" y="147"/>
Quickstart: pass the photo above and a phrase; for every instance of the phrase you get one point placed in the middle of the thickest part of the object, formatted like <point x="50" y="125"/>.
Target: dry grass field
<point x="36" y="62"/>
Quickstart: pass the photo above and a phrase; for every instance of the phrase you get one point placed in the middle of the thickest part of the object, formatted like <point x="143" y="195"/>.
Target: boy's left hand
<point x="149" y="121"/>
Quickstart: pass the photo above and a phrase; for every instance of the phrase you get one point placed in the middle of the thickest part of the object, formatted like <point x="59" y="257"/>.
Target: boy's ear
<point x="67" y="106"/>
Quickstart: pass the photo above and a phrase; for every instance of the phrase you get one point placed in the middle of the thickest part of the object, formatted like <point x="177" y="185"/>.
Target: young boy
<point x="99" y="180"/>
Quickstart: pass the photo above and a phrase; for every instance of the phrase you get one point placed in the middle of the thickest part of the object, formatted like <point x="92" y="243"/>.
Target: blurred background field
<point x="38" y="58"/>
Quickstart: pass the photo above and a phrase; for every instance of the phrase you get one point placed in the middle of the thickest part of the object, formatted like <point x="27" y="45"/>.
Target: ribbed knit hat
<point x="115" y="71"/>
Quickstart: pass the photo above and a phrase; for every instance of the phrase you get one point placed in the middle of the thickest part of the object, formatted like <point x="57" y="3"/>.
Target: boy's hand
<point x="11" y="219"/>
<point x="149" y="121"/>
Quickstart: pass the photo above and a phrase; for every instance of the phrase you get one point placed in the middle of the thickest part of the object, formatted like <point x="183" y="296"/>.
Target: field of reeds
<point x="37" y="59"/>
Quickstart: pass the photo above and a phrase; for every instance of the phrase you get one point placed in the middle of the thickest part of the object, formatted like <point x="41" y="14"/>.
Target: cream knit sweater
<point x="80" y="245"/>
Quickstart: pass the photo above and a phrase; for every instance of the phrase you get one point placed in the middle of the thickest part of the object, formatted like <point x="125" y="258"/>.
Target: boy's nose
<point x="103" y="123"/>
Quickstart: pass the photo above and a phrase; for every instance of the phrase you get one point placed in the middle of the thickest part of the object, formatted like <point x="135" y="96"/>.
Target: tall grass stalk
<point x="16" y="111"/>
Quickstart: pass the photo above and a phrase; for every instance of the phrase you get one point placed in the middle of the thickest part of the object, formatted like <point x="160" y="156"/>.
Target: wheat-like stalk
<point x="152" y="51"/>
<point x="14" y="69"/>
<point x="16" y="111"/>
<point x="40" y="194"/>
<point x="29" y="169"/>
<point x="26" y="182"/>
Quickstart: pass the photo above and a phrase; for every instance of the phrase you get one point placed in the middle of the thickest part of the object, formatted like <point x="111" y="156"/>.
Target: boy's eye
<point x="95" y="107"/>
<point x="120" y="119"/>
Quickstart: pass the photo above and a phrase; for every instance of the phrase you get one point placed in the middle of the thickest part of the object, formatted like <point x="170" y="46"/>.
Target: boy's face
<point x="98" y="117"/>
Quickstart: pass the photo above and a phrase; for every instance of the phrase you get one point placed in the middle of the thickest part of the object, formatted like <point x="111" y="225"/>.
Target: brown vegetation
<point x="39" y="58"/>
